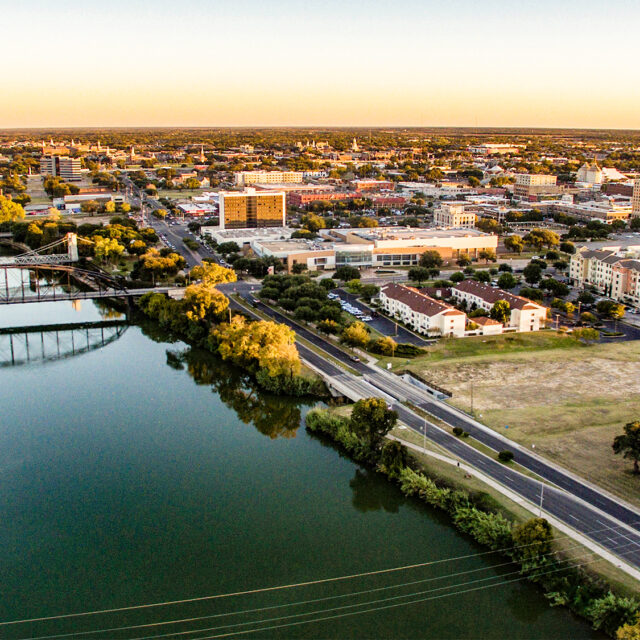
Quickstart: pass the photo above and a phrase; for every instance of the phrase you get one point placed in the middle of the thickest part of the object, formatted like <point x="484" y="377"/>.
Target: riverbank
<point x="528" y="543"/>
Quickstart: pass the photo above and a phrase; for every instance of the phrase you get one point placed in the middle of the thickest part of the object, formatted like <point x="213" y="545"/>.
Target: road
<point x="573" y="502"/>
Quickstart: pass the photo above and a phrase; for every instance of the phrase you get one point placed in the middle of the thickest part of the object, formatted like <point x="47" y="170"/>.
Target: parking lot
<point x="381" y="324"/>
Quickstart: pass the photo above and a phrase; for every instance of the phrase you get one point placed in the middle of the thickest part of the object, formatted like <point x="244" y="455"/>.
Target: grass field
<point x="568" y="399"/>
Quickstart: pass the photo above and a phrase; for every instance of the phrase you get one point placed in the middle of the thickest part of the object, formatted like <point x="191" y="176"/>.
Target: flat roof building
<point x="251" y="209"/>
<point x="635" y="199"/>
<point x="246" y="178"/>
<point x="454" y="215"/>
<point x="534" y="184"/>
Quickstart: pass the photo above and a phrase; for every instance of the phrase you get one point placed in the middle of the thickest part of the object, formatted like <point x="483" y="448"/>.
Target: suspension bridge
<point x="54" y="277"/>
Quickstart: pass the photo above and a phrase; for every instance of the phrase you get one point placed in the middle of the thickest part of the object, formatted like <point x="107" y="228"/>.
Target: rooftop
<point x="492" y="295"/>
<point x="417" y="301"/>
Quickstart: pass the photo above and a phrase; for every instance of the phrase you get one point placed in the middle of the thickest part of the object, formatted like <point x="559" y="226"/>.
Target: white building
<point x="246" y="178"/>
<point x="590" y="173"/>
<point x="454" y="215"/>
<point x="526" y="315"/>
<point x="613" y="274"/>
<point x="422" y="313"/>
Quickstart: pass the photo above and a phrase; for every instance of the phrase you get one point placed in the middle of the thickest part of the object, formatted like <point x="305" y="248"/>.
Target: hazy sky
<point x="320" y="62"/>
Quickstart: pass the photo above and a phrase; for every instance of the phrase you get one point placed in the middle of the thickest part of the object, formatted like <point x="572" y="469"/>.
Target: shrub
<point x="458" y="431"/>
<point x="505" y="456"/>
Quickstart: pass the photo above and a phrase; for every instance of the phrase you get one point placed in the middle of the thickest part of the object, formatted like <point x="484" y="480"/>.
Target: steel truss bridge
<point x="48" y="343"/>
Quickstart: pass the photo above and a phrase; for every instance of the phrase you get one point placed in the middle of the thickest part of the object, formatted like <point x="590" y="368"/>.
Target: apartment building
<point x="251" y="209"/>
<point x="612" y="274"/>
<point x="66" y="168"/>
<point x="532" y="184"/>
<point x="454" y="215"/>
<point x="373" y="185"/>
<point x="421" y="312"/>
<point x="492" y="149"/>
<point x="247" y="178"/>
<point x="526" y="315"/>
<point x="635" y="199"/>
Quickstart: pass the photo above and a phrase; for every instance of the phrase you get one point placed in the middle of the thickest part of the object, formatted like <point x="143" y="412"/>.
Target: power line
<point x="280" y="587"/>
<point x="299" y="603"/>
<point x="389" y="606"/>
<point x="280" y="606"/>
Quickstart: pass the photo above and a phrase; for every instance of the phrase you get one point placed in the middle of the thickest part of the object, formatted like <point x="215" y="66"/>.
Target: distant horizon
<point x="157" y="63"/>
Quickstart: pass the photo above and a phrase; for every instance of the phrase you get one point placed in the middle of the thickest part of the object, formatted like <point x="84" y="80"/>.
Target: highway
<point x="579" y="506"/>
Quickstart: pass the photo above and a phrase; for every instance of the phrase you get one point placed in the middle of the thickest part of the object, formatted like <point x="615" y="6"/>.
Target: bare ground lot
<point x="568" y="399"/>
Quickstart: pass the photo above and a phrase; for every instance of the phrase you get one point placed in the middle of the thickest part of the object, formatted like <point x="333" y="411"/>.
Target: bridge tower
<point x="72" y="247"/>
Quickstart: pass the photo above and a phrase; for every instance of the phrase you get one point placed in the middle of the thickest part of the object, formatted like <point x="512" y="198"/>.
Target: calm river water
<point x="145" y="472"/>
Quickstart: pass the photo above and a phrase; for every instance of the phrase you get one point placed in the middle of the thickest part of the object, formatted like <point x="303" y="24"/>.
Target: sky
<point x="506" y="63"/>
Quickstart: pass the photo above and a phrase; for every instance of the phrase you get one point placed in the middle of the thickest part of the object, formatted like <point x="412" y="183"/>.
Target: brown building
<point x="251" y="209"/>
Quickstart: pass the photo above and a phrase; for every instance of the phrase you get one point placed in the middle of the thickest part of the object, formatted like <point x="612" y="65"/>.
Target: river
<point x="144" y="472"/>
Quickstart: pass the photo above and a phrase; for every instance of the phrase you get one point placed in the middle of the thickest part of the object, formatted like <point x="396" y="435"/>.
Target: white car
<point x="366" y="318"/>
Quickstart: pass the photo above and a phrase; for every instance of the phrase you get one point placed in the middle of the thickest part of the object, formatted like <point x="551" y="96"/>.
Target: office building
<point x="454" y="215"/>
<point x="635" y="199"/>
<point x="251" y="209"/>
<point x="66" y="168"/>
<point x="533" y="184"/>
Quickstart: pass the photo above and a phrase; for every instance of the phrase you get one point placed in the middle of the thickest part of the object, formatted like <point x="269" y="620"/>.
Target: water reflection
<point x="372" y="492"/>
<point x="273" y="416"/>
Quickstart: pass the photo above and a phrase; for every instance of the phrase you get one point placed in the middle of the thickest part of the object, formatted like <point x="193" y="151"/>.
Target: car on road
<point x="366" y="318"/>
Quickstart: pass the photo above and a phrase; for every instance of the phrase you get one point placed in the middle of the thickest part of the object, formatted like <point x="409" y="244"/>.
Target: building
<point x="247" y="178"/>
<point x="526" y="315"/>
<point x="66" y="168"/>
<point x="533" y="184"/>
<point x="252" y="209"/>
<point x="454" y="215"/>
<point x="590" y="173"/>
<point x="373" y="185"/>
<point x="421" y="312"/>
<point x="612" y="273"/>
<point x="492" y="149"/>
<point x="635" y="199"/>
<point x="606" y="210"/>
<point x="304" y="199"/>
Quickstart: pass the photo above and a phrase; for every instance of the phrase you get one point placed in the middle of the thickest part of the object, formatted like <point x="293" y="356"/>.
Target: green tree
<point x="463" y="260"/>
<point x="507" y="281"/>
<point x="628" y="444"/>
<point x="371" y="419"/>
<point x="431" y="259"/>
<point x="488" y="255"/>
<point x="567" y="247"/>
<point x="10" y="211"/>
<point x="419" y="274"/>
<point x="532" y="540"/>
<point x="369" y="291"/>
<point x="610" y="309"/>
<point x="313" y="222"/>
<point x="225" y="248"/>
<point x="532" y="273"/>
<point x="500" y="311"/>
<point x="586" y="297"/>
<point x="346" y="273"/>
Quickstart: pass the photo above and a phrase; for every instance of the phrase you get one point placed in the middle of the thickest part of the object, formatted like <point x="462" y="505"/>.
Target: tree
<point x="488" y="255"/>
<point x="369" y="291"/>
<point x="313" y="222"/>
<point x="458" y="276"/>
<point x="507" y="281"/>
<point x="463" y="260"/>
<point x="586" y="297"/>
<point x="532" y="273"/>
<point x="514" y="244"/>
<point x="107" y="249"/>
<point x="346" y="273"/>
<point x="204" y="304"/>
<point x="431" y="259"/>
<point x="500" y="311"/>
<point x="629" y="631"/>
<point x="635" y="223"/>
<point x="371" y="419"/>
<point x="587" y="317"/>
<point x="10" y="211"/>
<point x="610" y="309"/>
<point x="555" y="287"/>
<point x="628" y="444"/>
<point x="385" y="346"/>
<point x="586" y="334"/>
<point x="539" y="238"/>
<point x="225" y="248"/>
<point x="212" y="274"/>
<point x="532" y="540"/>
<point x="419" y="274"/>
<point x="567" y="247"/>
<point x="356" y="334"/>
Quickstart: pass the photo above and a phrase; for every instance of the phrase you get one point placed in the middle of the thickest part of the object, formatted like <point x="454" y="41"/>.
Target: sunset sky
<point x="325" y="62"/>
